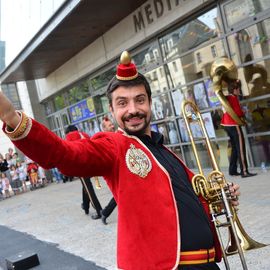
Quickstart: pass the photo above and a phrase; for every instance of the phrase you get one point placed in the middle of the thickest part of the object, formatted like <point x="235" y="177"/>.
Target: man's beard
<point x="142" y="130"/>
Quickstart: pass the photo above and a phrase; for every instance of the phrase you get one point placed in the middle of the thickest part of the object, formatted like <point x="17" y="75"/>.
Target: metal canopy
<point x="73" y="27"/>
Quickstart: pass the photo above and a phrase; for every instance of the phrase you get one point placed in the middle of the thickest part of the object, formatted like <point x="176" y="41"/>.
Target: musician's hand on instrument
<point x="235" y="192"/>
<point x="8" y="113"/>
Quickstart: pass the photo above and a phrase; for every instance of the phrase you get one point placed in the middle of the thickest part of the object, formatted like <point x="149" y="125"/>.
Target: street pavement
<point x="50" y="222"/>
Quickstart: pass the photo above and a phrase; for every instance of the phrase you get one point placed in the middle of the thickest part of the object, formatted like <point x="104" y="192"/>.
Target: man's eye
<point x="121" y="103"/>
<point x="140" y="100"/>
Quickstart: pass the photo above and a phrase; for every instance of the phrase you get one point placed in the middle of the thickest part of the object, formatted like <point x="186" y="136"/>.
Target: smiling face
<point x="131" y="109"/>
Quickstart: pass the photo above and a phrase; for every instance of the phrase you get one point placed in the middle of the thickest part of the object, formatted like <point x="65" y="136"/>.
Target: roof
<point x="75" y="25"/>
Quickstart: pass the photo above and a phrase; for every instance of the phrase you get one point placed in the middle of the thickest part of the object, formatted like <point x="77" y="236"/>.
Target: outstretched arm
<point x="79" y="158"/>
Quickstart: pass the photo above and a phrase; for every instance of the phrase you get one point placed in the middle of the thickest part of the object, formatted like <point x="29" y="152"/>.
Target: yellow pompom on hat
<point x="126" y="70"/>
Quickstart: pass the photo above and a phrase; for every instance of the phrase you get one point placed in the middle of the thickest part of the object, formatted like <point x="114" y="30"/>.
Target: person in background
<point x="16" y="158"/>
<point x="5" y="185"/>
<point x="32" y="172"/>
<point x="42" y="176"/>
<point x="15" y="182"/>
<point x="9" y="160"/>
<point x="107" y="126"/>
<point x="57" y="175"/>
<point x="4" y="167"/>
<point x="21" y="170"/>
<point x="235" y="132"/>
<point x="162" y="224"/>
<point x="1" y="190"/>
<point x="88" y="192"/>
<point x="10" y="152"/>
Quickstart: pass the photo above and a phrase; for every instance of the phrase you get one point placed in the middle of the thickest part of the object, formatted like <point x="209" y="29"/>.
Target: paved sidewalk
<point x="53" y="215"/>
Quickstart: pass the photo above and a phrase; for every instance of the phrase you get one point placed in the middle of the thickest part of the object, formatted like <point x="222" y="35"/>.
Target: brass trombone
<point x="215" y="189"/>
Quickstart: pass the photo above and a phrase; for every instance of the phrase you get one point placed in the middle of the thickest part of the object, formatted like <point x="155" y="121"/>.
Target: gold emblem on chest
<point x="138" y="162"/>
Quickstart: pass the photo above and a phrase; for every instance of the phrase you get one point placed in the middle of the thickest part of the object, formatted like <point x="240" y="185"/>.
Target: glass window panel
<point x="57" y="121"/>
<point x="220" y="151"/>
<point x="183" y="130"/>
<point x="162" y="129"/>
<point x="59" y="102"/>
<point x="101" y="104"/>
<point x="100" y="82"/>
<point x="83" y="126"/>
<point x="90" y="126"/>
<point x="216" y="119"/>
<point x="260" y="148"/>
<point x="190" y="69"/>
<point x="172" y="132"/>
<point x="190" y="158"/>
<point x="211" y="123"/>
<point x="191" y="35"/>
<point x="147" y="57"/>
<point x="79" y="92"/>
<point x="251" y="43"/>
<point x="161" y="107"/>
<point x="157" y="81"/>
<point x="258" y="115"/>
<point x="48" y="108"/>
<point x="200" y="95"/>
<point x="51" y="123"/>
<point x="168" y="130"/>
<point x="211" y="95"/>
<point x="255" y="79"/>
<point x="65" y="119"/>
<point x="177" y="98"/>
<point x="239" y="10"/>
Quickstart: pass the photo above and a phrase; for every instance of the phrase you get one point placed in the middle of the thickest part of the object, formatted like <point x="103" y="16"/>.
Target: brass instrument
<point x="215" y="189"/>
<point x="97" y="182"/>
<point x="224" y="70"/>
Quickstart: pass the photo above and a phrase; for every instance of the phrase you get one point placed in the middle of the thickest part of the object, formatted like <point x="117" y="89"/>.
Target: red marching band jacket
<point x="226" y="118"/>
<point x="148" y="221"/>
<point x="76" y="135"/>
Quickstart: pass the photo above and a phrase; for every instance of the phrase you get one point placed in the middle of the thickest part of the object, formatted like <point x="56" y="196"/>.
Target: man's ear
<point x="111" y="110"/>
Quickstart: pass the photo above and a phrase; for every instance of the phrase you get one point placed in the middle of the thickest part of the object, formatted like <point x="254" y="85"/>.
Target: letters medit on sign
<point x="149" y="12"/>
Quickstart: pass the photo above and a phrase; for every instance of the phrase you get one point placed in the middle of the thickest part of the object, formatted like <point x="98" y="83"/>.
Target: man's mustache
<point x="130" y="116"/>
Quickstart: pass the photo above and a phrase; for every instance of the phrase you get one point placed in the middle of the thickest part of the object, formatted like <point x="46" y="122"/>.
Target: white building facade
<point x="173" y="43"/>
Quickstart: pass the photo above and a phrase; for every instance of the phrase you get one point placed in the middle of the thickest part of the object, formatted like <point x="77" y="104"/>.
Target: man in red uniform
<point x="162" y="224"/>
<point x="234" y="131"/>
<point x="88" y="192"/>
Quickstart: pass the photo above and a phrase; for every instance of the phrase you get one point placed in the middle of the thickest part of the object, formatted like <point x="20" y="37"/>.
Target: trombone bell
<point x="246" y="242"/>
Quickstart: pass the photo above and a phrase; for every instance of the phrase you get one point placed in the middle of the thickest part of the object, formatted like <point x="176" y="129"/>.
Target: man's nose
<point x="132" y="108"/>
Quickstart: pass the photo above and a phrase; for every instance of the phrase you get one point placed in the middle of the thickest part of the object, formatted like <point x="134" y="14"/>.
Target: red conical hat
<point x="126" y="70"/>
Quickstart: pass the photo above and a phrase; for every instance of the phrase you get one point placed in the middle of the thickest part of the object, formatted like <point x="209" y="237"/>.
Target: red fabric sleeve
<point x="86" y="157"/>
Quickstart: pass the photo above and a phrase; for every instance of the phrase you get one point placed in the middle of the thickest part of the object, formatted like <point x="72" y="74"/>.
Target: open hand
<point x="7" y="112"/>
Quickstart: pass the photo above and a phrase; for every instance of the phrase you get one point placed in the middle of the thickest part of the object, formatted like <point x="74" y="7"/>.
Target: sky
<point x="21" y="20"/>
